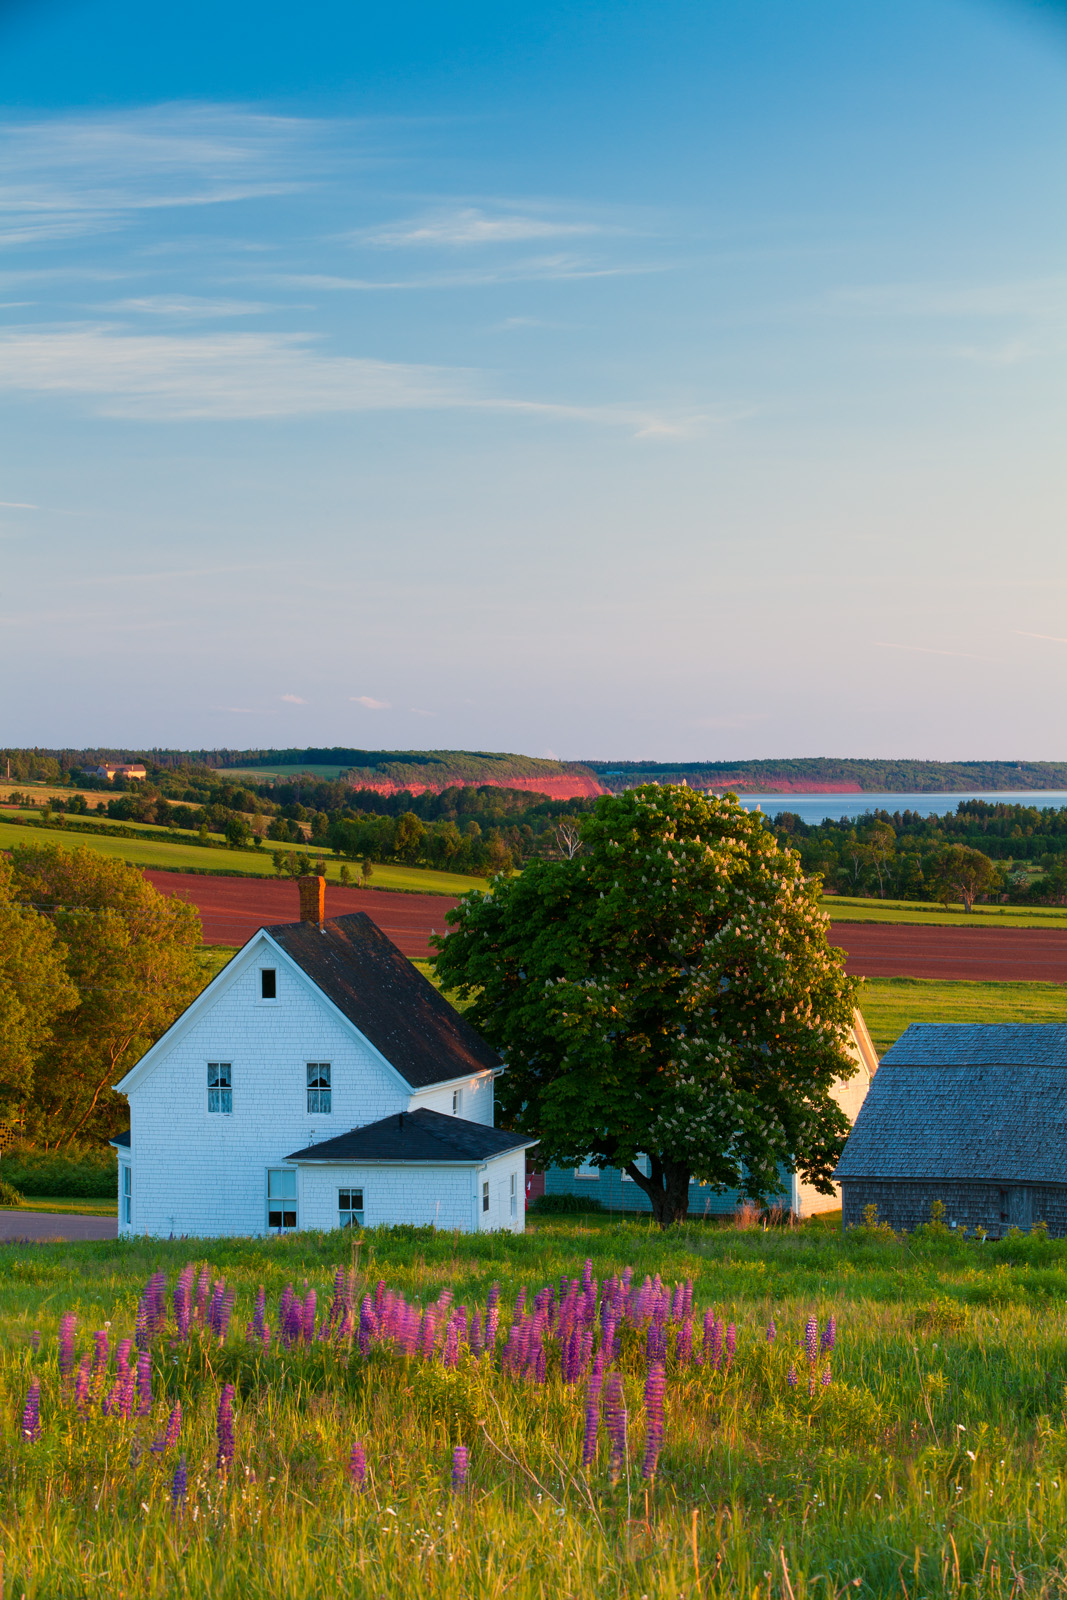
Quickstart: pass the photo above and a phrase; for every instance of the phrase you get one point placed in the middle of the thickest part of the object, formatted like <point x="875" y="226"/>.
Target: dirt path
<point x="231" y="909"/>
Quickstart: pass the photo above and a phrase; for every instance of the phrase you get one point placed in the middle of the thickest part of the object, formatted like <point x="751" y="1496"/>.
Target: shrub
<point x="86" y="1173"/>
<point x="564" y="1204"/>
<point x="9" y="1195"/>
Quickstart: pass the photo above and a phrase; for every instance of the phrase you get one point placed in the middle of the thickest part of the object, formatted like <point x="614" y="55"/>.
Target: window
<point x="281" y="1199"/>
<point x="350" y="1207"/>
<point x="127" y="1193"/>
<point x="514" y="1196"/>
<point x="642" y="1165"/>
<point x="485" y="1196"/>
<point x="455" y="1102"/>
<point x="220" y="1086"/>
<point x="268" y="983"/>
<point x="318" y="1087"/>
<point x="587" y="1170"/>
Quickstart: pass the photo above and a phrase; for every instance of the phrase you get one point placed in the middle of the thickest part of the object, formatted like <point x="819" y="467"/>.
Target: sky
<point x="650" y="379"/>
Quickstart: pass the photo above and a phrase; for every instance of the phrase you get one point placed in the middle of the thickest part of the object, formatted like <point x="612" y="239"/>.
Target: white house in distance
<point x="319" y="1081"/>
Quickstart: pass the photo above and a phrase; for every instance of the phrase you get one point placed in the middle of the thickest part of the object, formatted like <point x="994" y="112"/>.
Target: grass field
<point x="85" y="1208"/>
<point x="264" y="774"/>
<point x="889" y="1005"/>
<point x="185" y="854"/>
<point x="933" y="1462"/>
<point x="842" y="909"/>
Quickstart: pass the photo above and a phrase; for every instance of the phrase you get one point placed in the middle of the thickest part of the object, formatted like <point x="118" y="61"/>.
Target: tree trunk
<point x="667" y="1188"/>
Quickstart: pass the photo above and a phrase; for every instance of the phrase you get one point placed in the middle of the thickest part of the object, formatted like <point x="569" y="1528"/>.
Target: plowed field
<point x="233" y="908"/>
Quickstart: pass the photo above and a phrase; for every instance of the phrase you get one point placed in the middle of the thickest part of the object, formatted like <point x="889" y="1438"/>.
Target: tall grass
<point x="932" y="1463"/>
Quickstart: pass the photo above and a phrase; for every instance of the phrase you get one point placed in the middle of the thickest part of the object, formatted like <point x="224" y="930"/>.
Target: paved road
<point x="39" y="1226"/>
<point x="899" y="950"/>
<point x="231" y="909"/>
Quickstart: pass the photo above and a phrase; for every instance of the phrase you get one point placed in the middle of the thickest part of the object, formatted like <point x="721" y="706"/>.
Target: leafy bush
<point x="88" y="1173"/>
<point x="564" y="1204"/>
<point x="9" y="1195"/>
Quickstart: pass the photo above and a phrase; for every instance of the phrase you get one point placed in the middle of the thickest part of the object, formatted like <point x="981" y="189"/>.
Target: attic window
<point x="268" y="983"/>
<point x="455" y="1102"/>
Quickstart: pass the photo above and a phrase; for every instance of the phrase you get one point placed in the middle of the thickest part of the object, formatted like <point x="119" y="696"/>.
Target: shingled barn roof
<point x="421" y="1135"/>
<point x="984" y="1104"/>
<point x="389" y="1001"/>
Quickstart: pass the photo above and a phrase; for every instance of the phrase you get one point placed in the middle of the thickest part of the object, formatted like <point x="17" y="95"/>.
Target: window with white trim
<point x="220" y="1086"/>
<point x="281" y="1199"/>
<point x="455" y="1102"/>
<point x="642" y="1165"/>
<point x="514" y="1196"/>
<point x="485" y="1195"/>
<point x="350" y="1207"/>
<point x="127" y="1193"/>
<point x="319" y="1099"/>
<point x="587" y="1169"/>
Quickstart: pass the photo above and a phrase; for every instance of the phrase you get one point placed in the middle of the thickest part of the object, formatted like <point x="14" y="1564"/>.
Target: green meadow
<point x="186" y="855"/>
<point x="843" y="909"/>
<point x="933" y="1460"/>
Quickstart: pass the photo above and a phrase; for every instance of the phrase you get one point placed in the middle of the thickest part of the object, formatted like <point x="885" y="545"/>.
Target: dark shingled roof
<point x="986" y="1104"/>
<point x="400" y="1012"/>
<point x="122" y="1139"/>
<point x="420" y="1135"/>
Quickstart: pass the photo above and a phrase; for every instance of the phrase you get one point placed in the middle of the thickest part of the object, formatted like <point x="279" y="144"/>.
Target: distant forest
<point x="440" y="769"/>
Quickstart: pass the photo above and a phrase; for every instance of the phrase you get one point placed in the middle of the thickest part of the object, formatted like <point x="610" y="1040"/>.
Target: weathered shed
<point x="975" y="1117"/>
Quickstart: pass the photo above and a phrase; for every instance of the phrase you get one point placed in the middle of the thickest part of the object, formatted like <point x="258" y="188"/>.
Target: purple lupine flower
<point x="791" y="1377"/>
<point x="140" y="1331"/>
<point x="174" y="1426"/>
<point x="177" y="1487"/>
<point x="31" y="1414"/>
<point x="283" y="1307"/>
<point x="829" y="1336"/>
<point x="67" y="1325"/>
<point x="183" y="1300"/>
<point x="716" y="1344"/>
<point x="654" y="1386"/>
<point x="101" y="1356"/>
<point x="126" y="1387"/>
<point x="826" y="1377"/>
<point x="224" y="1428"/>
<point x="687" y="1299"/>
<point x="144" y="1383"/>
<point x="587" y="1273"/>
<point x="683" y="1348"/>
<point x="592" y="1415"/>
<point x="477" y="1342"/>
<point x="460" y="1456"/>
<point x="203" y="1283"/>
<point x="772" y="1332"/>
<point x="731" y="1344"/>
<point x="310" y="1304"/>
<point x="225" y="1312"/>
<point x="615" y="1421"/>
<point x="156" y="1297"/>
<point x="214" y="1310"/>
<point x="35" y="1340"/>
<point x="492" y="1317"/>
<point x="811" y="1339"/>
<point x="81" y="1384"/>
<point x="677" y="1302"/>
<point x="451" y="1351"/>
<point x="357" y="1466"/>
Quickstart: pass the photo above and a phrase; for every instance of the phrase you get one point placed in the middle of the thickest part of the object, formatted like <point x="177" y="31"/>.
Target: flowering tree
<point x="670" y="992"/>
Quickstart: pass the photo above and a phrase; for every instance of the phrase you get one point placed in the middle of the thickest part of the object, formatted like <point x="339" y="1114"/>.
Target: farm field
<point x="921" y="1449"/>
<point x="890" y="1005"/>
<point x="974" y="954"/>
<point x="931" y="916"/>
<point x="185" y="854"/>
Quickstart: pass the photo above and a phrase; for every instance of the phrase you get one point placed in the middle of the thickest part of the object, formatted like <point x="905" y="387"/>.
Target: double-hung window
<point x="319" y="1087"/>
<point x="127" y="1193"/>
<point x="514" y="1196"/>
<point x="485" y="1197"/>
<point x="220" y="1086"/>
<point x="587" y="1170"/>
<point x="281" y="1199"/>
<point x="350" y="1207"/>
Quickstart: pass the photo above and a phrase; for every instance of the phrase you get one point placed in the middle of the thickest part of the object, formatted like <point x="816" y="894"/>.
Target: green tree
<point x="409" y="836"/>
<point x="34" y="991"/>
<point x="668" y="991"/>
<point x="237" y="831"/>
<point x="958" y="872"/>
<point x="881" y="848"/>
<point x="132" y="956"/>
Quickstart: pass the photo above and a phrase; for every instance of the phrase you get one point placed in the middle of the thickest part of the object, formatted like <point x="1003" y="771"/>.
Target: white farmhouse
<point x="319" y="1082"/>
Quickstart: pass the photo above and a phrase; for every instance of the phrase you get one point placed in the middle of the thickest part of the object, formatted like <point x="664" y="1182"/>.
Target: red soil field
<point x="231" y="910"/>
<point x="571" y="786"/>
<point x="899" y="950"/>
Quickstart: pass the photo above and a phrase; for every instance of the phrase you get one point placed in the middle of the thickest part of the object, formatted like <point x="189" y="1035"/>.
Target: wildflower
<point x="811" y="1339"/>
<point x="615" y="1421"/>
<point x="81" y="1384"/>
<point x="174" y="1426"/>
<point x="826" y="1377"/>
<point x="225" y="1428"/>
<point x="178" y="1483"/>
<point x="310" y="1303"/>
<point x="592" y="1415"/>
<point x="731" y="1344"/>
<point x="772" y="1332"/>
<point x="67" y="1325"/>
<point x="31" y="1414"/>
<point x="459" y="1468"/>
<point x="144" y="1384"/>
<point x="654" y="1385"/>
<point x="829" y="1336"/>
<point x="357" y="1466"/>
<point x="791" y="1377"/>
<point x="35" y="1340"/>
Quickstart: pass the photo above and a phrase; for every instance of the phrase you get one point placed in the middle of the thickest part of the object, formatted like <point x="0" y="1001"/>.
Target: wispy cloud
<point x="189" y="307"/>
<point x="164" y="377"/>
<point x="470" y="225"/>
<point x="524" y="269"/>
<point x="293" y="699"/>
<point x="1053" y="638"/>
<point x="368" y="703"/>
<point x="417" y="711"/>
<point x="18" y="505"/>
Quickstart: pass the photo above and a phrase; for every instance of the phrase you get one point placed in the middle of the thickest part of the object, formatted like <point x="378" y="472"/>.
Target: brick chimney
<point x="312" y="900"/>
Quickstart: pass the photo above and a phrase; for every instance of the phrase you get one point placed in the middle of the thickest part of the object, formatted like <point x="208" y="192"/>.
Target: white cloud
<point x="294" y="699"/>
<point x="416" y="711"/>
<point x="472" y="226"/>
<point x="18" y="505"/>
<point x="190" y="307"/>
<point x="1053" y="638"/>
<point x="369" y="704"/>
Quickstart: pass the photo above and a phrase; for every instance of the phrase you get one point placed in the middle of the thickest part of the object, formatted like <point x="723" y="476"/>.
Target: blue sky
<point x="646" y="379"/>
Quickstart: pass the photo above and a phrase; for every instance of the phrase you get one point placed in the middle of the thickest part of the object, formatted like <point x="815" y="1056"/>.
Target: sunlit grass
<point x="933" y="1463"/>
<point x="842" y="908"/>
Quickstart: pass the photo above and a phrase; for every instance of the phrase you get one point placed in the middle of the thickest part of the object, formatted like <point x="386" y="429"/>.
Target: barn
<point x="972" y="1116"/>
